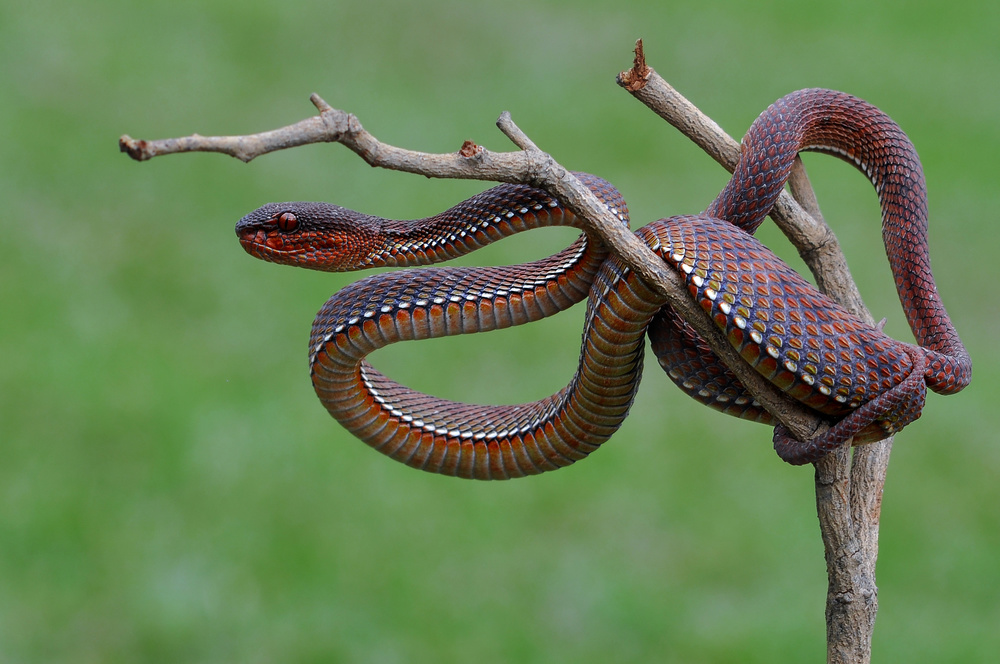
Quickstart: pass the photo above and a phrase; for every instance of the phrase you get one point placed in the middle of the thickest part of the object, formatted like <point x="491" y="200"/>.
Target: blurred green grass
<point x="170" y="489"/>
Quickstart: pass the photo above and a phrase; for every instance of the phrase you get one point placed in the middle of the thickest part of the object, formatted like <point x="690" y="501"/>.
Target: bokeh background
<point x="170" y="487"/>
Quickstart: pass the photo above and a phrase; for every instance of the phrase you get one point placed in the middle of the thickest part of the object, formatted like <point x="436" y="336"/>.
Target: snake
<point x="866" y="384"/>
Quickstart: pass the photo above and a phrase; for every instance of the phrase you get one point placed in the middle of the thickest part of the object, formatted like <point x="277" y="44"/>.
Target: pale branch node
<point x="848" y="494"/>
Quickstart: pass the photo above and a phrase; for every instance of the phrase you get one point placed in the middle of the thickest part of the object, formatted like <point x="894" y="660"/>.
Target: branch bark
<point x="848" y="494"/>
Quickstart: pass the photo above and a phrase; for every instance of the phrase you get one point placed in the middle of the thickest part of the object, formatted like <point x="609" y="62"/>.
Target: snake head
<point x="319" y="236"/>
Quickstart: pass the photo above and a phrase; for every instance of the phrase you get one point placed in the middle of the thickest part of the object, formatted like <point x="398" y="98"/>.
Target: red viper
<point x="866" y="382"/>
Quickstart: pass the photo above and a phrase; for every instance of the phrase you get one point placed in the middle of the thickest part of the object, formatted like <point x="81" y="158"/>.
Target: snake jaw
<point x="264" y="240"/>
<point x="268" y="245"/>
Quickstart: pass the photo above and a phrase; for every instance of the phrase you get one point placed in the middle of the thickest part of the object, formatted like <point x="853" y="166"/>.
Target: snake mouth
<point x="267" y="245"/>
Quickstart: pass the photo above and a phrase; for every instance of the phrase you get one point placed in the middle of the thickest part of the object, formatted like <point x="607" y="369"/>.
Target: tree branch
<point x="848" y="501"/>
<point x="528" y="166"/>
<point x="848" y="496"/>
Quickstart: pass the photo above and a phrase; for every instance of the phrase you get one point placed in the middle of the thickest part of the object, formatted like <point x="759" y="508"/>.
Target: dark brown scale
<point x="800" y="340"/>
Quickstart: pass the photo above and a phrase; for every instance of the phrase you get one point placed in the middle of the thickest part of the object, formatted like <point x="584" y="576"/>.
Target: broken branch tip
<point x="320" y="103"/>
<point x="635" y="78"/>
<point x="133" y="148"/>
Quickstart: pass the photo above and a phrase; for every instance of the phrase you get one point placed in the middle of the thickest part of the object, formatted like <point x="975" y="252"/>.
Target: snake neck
<point x="483" y="219"/>
<point x="859" y="133"/>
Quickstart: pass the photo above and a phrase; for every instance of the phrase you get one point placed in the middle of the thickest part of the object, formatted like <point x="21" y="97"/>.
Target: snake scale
<point x="868" y="384"/>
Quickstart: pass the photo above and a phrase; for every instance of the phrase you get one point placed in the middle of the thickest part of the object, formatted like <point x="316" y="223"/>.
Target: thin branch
<point x="803" y="193"/>
<point x="528" y="166"/>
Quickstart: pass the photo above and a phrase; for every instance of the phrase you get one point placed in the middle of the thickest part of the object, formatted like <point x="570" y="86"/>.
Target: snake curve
<point x="867" y="383"/>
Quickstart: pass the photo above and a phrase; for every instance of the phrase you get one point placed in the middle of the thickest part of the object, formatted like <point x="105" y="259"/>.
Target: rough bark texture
<point x="848" y="489"/>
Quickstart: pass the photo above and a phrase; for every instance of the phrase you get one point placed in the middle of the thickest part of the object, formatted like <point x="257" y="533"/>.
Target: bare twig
<point x="848" y="496"/>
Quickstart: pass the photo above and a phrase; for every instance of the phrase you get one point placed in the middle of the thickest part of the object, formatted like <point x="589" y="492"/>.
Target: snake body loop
<point x="804" y="343"/>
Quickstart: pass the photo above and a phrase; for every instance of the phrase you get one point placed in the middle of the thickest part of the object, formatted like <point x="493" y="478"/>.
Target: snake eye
<point x="287" y="222"/>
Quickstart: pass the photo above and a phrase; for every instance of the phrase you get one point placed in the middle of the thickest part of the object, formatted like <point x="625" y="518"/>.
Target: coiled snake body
<point x="810" y="347"/>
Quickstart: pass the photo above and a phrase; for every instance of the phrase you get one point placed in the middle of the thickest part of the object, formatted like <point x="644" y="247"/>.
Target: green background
<point x="171" y="489"/>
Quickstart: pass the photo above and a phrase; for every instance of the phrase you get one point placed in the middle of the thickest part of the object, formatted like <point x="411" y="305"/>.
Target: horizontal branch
<point x="529" y="166"/>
